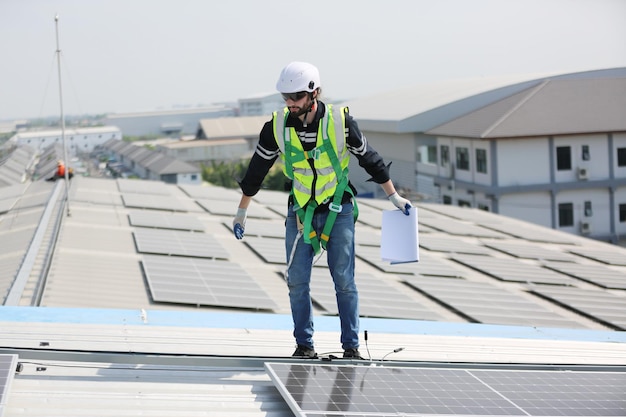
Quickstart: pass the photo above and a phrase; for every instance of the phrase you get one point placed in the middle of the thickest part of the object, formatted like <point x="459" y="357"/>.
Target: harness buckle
<point x="335" y="207"/>
<point x="313" y="154"/>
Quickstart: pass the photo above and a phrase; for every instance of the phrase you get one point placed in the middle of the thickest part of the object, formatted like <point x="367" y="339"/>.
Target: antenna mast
<point x="65" y="160"/>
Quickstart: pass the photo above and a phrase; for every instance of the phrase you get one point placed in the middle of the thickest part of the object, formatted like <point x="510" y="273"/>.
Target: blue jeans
<point x="340" y="255"/>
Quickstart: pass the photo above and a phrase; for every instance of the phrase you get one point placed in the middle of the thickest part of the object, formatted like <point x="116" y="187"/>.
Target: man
<point x="315" y="141"/>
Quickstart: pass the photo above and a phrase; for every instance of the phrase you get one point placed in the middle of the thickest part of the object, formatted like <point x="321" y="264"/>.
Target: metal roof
<point x="553" y="107"/>
<point x="99" y="344"/>
<point x="423" y="107"/>
<point x="231" y="127"/>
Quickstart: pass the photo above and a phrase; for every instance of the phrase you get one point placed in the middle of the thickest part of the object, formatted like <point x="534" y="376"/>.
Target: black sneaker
<point x="352" y="353"/>
<point x="304" y="352"/>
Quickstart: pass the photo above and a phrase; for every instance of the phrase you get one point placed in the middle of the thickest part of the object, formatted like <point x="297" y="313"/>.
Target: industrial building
<point x="78" y="140"/>
<point x="550" y="150"/>
<point x="167" y="122"/>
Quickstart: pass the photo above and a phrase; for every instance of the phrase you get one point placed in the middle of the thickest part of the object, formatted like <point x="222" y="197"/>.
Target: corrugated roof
<point x="553" y="107"/>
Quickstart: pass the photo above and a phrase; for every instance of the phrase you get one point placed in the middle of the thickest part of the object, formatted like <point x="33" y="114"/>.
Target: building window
<point x="585" y="154"/>
<point x="481" y="161"/>
<point x="484" y="207"/>
<point x="563" y="158"/>
<point x="462" y="159"/>
<point x="566" y="214"/>
<point x="427" y="154"/>
<point x="464" y="203"/>
<point x="622" y="213"/>
<point x="447" y="199"/>
<point x="588" y="210"/>
<point x="445" y="155"/>
<point x="621" y="157"/>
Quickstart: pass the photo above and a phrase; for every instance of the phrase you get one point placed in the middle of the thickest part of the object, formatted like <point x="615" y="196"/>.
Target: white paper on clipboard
<point x="400" y="239"/>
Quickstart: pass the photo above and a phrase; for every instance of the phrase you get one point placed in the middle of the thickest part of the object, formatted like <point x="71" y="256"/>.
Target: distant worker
<point x="60" y="169"/>
<point x="315" y="141"/>
<point x="60" y="172"/>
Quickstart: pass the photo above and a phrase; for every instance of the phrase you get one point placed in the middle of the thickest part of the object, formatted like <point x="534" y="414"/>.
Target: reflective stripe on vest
<point x="296" y="165"/>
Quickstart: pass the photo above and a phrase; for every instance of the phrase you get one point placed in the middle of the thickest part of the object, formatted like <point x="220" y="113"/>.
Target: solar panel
<point x="459" y="228"/>
<point x="271" y="197"/>
<point x="528" y="251"/>
<point x="203" y="282"/>
<point x="211" y="192"/>
<point x="428" y="264"/>
<point x="273" y="251"/>
<point x="165" y="221"/>
<point x="371" y="216"/>
<point x="173" y="242"/>
<point x="7" y="203"/>
<point x="452" y="245"/>
<point x="603" y="307"/>
<point x="482" y="302"/>
<point x="513" y="270"/>
<point x="377" y="298"/>
<point x="8" y="365"/>
<point x="261" y="228"/>
<point x="531" y="232"/>
<point x="97" y="197"/>
<point x="227" y="208"/>
<point x="159" y="202"/>
<point x="143" y="187"/>
<point x="606" y="255"/>
<point x="596" y="274"/>
<point x="315" y="390"/>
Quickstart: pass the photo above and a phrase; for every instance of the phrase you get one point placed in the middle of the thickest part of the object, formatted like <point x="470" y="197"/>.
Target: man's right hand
<point x="239" y="223"/>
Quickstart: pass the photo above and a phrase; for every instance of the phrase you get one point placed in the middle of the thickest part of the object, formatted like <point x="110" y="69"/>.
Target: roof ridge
<point x="501" y="119"/>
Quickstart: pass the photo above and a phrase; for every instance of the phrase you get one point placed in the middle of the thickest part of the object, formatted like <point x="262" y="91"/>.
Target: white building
<point x="172" y="122"/>
<point x="550" y="150"/>
<point x="261" y="104"/>
<point x="78" y="140"/>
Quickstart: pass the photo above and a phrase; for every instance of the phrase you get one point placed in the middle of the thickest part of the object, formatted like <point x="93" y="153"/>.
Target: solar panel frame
<point x="604" y="255"/>
<point x="513" y="270"/>
<point x="179" y="243"/>
<point x="356" y="390"/>
<point x="165" y="220"/>
<point x="599" y="275"/>
<point x="227" y="208"/>
<point x="203" y="282"/>
<point x="157" y="202"/>
<point x="603" y="307"/>
<point x="8" y="364"/>
<point x="482" y="302"/>
<point x="529" y="251"/>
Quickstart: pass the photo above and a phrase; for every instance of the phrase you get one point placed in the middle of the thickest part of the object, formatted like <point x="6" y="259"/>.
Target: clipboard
<point x="400" y="238"/>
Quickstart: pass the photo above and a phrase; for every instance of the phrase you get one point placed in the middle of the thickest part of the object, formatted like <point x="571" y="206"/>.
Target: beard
<point x="299" y="111"/>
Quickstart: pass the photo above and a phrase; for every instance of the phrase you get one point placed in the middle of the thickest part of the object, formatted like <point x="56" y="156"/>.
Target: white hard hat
<point x="298" y="76"/>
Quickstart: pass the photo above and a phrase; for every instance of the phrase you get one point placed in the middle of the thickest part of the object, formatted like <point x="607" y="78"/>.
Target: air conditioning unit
<point x="585" y="228"/>
<point x="583" y="173"/>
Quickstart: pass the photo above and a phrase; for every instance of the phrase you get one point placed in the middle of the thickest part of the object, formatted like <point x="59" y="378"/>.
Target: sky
<point x="122" y="56"/>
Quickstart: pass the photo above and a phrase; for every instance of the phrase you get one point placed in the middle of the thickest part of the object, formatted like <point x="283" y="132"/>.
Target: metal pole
<point x="65" y="160"/>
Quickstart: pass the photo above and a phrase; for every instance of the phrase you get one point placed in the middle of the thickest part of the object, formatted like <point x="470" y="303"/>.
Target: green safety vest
<point x="320" y="175"/>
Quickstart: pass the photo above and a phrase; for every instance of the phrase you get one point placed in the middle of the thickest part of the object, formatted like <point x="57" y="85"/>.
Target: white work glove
<point x="402" y="203"/>
<point x="239" y="223"/>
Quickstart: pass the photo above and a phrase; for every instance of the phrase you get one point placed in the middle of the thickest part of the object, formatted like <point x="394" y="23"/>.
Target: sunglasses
<point x="294" y="96"/>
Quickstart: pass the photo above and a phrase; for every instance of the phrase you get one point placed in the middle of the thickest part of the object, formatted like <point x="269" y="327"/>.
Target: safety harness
<point x="293" y="155"/>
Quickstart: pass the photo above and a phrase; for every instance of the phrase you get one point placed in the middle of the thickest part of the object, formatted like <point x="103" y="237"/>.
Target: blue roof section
<point x="264" y="321"/>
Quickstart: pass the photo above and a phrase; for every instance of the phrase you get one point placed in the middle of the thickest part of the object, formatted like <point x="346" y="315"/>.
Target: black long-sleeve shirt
<point x="267" y="150"/>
